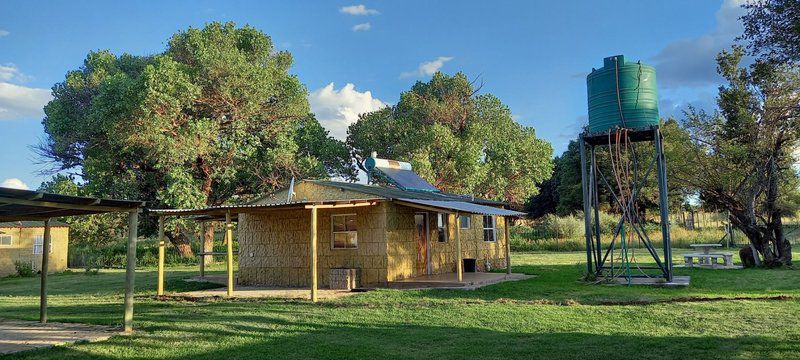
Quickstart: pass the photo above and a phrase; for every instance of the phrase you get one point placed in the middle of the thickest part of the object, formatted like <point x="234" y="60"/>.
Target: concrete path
<point x="18" y="335"/>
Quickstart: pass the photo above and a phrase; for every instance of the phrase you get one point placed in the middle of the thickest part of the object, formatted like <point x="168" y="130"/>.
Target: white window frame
<point x="444" y="217"/>
<point x="40" y="246"/>
<point x="469" y="221"/>
<point x="493" y="228"/>
<point x="10" y="240"/>
<point x="333" y="233"/>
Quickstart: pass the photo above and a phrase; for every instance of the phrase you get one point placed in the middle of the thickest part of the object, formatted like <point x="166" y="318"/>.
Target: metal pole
<point x="596" y="205"/>
<point x="313" y="254"/>
<point x="45" y="268"/>
<point x="229" y="237"/>
<point x="663" y="204"/>
<point x="587" y="222"/>
<point x="130" y="269"/>
<point x="161" y="246"/>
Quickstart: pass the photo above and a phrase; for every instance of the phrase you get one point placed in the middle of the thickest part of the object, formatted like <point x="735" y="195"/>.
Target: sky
<point x="356" y="57"/>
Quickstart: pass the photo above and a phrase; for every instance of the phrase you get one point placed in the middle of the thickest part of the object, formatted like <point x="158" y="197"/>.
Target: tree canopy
<point x="457" y="139"/>
<point x="772" y="28"/>
<point x="215" y="117"/>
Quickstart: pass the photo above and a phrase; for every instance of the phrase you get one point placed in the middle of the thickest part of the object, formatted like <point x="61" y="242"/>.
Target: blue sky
<point x="359" y="56"/>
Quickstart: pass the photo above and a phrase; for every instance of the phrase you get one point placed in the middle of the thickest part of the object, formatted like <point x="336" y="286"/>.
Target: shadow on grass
<point x="252" y="336"/>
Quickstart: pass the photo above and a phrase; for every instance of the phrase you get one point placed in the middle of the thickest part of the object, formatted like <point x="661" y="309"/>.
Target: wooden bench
<point x="708" y="259"/>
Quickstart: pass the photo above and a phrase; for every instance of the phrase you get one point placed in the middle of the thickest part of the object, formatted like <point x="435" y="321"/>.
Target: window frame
<point x="469" y="222"/>
<point x="41" y="244"/>
<point x="10" y="240"/>
<point x="334" y="232"/>
<point x="493" y="228"/>
<point x="445" y="218"/>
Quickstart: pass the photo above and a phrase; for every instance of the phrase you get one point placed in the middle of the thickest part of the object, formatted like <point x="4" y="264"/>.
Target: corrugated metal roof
<point x="462" y="206"/>
<point x="31" y="224"/>
<point x="221" y="209"/>
<point x="35" y="205"/>
<point x="394" y="193"/>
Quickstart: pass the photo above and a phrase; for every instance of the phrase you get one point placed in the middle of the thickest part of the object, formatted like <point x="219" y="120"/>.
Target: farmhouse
<point x="22" y="242"/>
<point x="324" y="233"/>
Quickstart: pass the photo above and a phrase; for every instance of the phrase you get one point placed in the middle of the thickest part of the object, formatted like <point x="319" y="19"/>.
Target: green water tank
<point x="622" y="95"/>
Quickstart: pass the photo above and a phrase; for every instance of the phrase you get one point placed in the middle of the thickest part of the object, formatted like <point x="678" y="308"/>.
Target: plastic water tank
<point x="622" y="95"/>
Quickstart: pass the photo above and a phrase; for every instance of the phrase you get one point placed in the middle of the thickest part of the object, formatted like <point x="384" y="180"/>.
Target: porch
<point x="470" y="281"/>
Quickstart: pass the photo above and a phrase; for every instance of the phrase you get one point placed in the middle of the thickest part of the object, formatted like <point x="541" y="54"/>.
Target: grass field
<point x="746" y="314"/>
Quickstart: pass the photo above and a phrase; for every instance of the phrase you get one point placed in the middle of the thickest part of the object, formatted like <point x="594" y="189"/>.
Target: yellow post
<point x="459" y="260"/>
<point x="313" y="254"/>
<point x="202" y="249"/>
<point x="161" y="248"/>
<point x="229" y="239"/>
<point x="508" y="245"/>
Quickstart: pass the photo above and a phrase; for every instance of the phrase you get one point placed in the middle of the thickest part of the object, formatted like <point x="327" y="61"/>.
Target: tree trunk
<point x="208" y="241"/>
<point x="181" y="242"/>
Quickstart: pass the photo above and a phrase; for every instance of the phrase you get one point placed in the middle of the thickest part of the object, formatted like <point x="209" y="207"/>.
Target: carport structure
<point x="26" y="205"/>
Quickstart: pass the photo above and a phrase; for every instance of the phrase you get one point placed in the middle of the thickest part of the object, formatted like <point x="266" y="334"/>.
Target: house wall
<point x="21" y="249"/>
<point x="402" y="250"/>
<point x="274" y="247"/>
<point x="308" y="191"/>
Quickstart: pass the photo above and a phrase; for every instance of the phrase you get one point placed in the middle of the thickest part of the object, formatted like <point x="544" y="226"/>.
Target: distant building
<point x="23" y="241"/>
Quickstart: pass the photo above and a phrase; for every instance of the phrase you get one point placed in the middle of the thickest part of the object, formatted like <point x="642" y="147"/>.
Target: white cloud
<point x="362" y="27"/>
<point x="337" y="109"/>
<point x="14" y="183"/>
<point x="21" y="102"/>
<point x="4" y="33"/>
<point x="358" y="10"/>
<point x="692" y="62"/>
<point x="10" y="72"/>
<point x="427" y="68"/>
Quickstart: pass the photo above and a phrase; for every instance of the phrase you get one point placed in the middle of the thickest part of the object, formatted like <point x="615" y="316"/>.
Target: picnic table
<point x="707" y="258"/>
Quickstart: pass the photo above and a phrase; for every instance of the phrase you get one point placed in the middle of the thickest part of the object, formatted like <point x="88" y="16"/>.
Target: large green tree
<point x="457" y="139"/>
<point x="215" y="117"/>
<point x="740" y="158"/>
<point x="772" y="29"/>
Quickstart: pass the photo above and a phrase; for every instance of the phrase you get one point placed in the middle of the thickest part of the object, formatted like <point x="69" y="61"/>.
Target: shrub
<point x="563" y="227"/>
<point x="24" y="268"/>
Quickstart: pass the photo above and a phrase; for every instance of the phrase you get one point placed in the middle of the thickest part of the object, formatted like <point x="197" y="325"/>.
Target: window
<point x="345" y="234"/>
<point x="441" y="227"/>
<point x="38" y="244"/>
<point x="488" y="228"/>
<point x="464" y="221"/>
<point x="5" y="240"/>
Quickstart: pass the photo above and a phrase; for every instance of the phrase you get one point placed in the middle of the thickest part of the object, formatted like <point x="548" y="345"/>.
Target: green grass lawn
<point x="550" y="316"/>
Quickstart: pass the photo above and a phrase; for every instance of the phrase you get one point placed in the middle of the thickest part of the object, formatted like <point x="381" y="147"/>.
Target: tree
<point x="772" y="28"/>
<point x="740" y="158"/>
<point x="214" y="118"/>
<point x="458" y="140"/>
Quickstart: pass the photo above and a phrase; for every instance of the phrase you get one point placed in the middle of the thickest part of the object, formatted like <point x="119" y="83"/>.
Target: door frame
<point x="427" y="219"/>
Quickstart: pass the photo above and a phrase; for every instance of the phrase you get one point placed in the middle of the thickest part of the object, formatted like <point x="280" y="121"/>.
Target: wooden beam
<point x="229" y="239"/>
<point x="425" y="207"/>
<point x="508" y="245"/>
<point x="45" y="267"/>
<point x="338" y="206"/>
<point x="161" y="248"/>
<point x="130" y="269"/>
<point x="203" y="249"/>
<point x="459" y="260"/>
<point x="55" y="205"/>
<point x="313" y="254"/>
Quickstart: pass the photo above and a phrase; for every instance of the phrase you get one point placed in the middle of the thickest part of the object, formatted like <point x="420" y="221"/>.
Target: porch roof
<point x="460" y="206"/>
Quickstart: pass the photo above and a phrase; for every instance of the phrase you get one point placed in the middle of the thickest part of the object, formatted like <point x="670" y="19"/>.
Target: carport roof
<point x="22" y="205"/>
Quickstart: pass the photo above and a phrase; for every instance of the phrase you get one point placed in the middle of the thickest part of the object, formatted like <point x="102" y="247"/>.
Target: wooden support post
<point x="45" y="267"/>
<point x="459" y="260"/>
<point x="229" y="239"/>
<point x="161" y="248"/>
<point x="313" y="254"/>
<point x="202" y="249"/>
<point x="508" y="245"/>
<point x="130" y="269"/>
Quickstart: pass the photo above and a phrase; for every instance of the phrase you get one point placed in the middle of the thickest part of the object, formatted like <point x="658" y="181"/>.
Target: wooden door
<point x="421" y="244"/>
